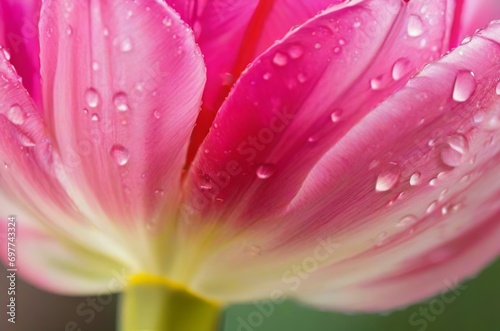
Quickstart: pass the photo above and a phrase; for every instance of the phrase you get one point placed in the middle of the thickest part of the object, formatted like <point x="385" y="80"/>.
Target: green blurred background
<point x="476" y="308"/>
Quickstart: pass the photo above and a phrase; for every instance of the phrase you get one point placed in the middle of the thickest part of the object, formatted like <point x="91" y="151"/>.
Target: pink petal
<point x="433" y="219"/>
<point x="19" y="36"/>
<point x="63" y="266"/>
<point x="123" y="84"/>
<point x="472" y="15"/>
<point x="303" y="94"/>
<point x="233" y="33"/>
<point x="48" y="225"/>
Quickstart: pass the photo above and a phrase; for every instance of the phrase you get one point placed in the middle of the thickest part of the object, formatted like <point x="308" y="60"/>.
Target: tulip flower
<point x="193" y="154"/>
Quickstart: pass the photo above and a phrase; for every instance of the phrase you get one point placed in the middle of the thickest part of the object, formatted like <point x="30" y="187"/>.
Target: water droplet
<point x="466" y="40"/>
<point x="69" y="30"/>
<point x="356" y="24"/>
<point x="167" y="21"/>
<point x="16" y="114"/>
<point x="157" y="114"/>
<point x="497" y="89"/>
<point x="453" y="153"/>
<point x="95" y="66"/>
<point x="400" y="68"/>
<point x="120" y="154"/>
<point x="432" y="207"/>
<point x="94" y="118"/>
<point x="336" y="116"/>
<point x="6" y="165"/>
<point x="416" y="179"/>
<point x="376" y="83"/>
<point x="295" y="52"/>
<point x="126" y="45"/>
<point x="407" y="221"/>
<point x="206" y="184"/>
<point x="266" y="76"/>
<point x="120" y="102"/>
<point x="465" y="85"/>
<point x="415" y="26"/>
<point x="159" y="192"/>
<point x="92" y="97"/>
<point x="25" y="140"/>
<point x="317" y="46"/>
<point x="433" y="182"/>
<point x="387" y="180"/>
<point x="265" y="170"/>
<point x="280" y="59"/>
<point x="302" y="78"/>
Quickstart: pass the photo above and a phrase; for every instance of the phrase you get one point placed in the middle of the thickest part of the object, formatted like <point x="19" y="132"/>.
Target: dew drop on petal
<point x="465" y="86"/>
<point x="387" y="180"/>
<point x="157" y="114"/>
<point x="120" y="154"/>
<point x="265" y="170"/>
<point x="376" y="83"/>
<point x="295" y="52"/>
<point x="120" y="102"/>
<point x="126" y="45"/>
<point x="16" y="114"/>
<point x="94" y="118"/>
<point x="453" y="153"/>
<point x="497" y="89"/>
<point x="415" y="26"/>
<point x="416" y="179"/>
<point x="280" y="59"/>
<point x="400" y="68"/>
<point x="302" y="78"/>
<point x="92" y="97"/>
<point x="432" y="207"/>
<point x="336" y="116"/>
<point x="407" y="221"/>
<point x="25" y="140"/>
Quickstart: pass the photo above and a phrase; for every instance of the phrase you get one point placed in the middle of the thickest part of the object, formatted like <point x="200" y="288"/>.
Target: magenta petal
<point x="122" y="89"/>
<point x="473" y="15"/>
<point x="54" y="233"/>
<point x="303" y="94"/>
<point x="404" y="204"/>
<point x="19" y="36"/>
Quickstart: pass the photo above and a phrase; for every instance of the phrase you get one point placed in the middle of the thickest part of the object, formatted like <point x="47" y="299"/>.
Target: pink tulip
<point x="351" y="167"/>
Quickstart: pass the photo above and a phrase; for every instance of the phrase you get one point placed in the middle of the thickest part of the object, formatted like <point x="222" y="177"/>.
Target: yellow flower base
<point x="153" y="303"/>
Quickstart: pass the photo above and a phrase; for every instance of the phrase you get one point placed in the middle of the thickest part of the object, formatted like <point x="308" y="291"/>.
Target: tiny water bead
<point x="454" y="152"/>
<point x="465" y="86"/>
<point x="416" y="179"/>
<point x="120" y="101"/>
<point x="295" y="52"/>
<point x="497" y="89"/>
<point x="387" y="180"/>
<point x="415" y="26"/>
<point x="16" y="114"/>
<point x="400" y="68"/>
<point x="94" y="118"/>
<point x="120" y="154"/>
<point x="336" y="116"/>
<point x="126" y="45"/>
<point x="407" y="221"/>
<point x="92" y="97"/>
<point x="280" y="59"/>
<point x="265" y="170"/>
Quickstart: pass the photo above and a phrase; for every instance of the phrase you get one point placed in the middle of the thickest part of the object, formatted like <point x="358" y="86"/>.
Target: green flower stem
<point x="155" y="304"/>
